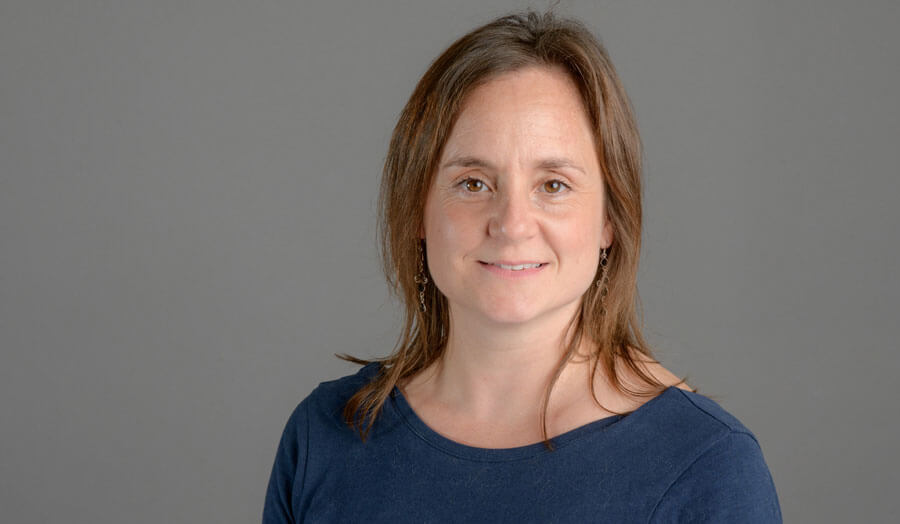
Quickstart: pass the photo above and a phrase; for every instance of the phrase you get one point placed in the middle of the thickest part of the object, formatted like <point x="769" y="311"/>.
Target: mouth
<point x="514" y="266"/>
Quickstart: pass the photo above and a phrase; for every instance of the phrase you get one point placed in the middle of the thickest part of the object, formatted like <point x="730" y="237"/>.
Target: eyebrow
<point x="546" y="163"/>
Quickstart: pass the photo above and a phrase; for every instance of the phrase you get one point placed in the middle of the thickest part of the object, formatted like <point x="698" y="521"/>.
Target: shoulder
<point x="347" y="385"/>
<point x="678" y="425"/>
<point x="330" y="396"/>
<point x="323" y="408"/>
<point x="728" y="481"/>
<point x="316" y="422"/>
<point x="719" y="473"/>
<point x="681" y="424"/>
<point x="327" y="400"/>
<point x="706" y="411"/>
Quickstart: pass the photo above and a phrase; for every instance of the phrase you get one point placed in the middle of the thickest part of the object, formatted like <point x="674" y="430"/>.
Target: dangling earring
<point x="603" y="281"/>
<point x="421" y="279"/>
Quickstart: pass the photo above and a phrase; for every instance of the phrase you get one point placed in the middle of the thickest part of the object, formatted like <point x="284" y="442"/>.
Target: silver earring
<point x="421" y="279"/>
<point x="603" y="281"/>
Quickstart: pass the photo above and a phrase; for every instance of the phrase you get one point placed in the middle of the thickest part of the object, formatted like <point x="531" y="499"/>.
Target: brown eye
<point x="474" y="185"/>
<point x="554" y="186"/>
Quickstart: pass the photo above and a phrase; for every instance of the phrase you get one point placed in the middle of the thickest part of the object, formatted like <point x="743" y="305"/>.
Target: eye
<point x="555" y="186"/>
<point x="473" y="185"/>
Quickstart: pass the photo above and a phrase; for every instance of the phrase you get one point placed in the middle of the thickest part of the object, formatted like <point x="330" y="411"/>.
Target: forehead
<point x="531" y="108"/>
<point x="525" y="82"/>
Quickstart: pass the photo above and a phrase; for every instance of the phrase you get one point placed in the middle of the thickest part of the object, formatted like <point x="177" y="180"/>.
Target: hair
<point x="610" y="324"/>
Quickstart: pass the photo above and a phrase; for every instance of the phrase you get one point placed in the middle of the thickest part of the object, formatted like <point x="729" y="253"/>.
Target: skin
<point x="519" y="181"/>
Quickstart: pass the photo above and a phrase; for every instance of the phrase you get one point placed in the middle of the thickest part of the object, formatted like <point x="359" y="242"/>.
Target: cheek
<point x="446" y="242"/>
<point x="449" y="229"/>
<point x="578" y="239"/>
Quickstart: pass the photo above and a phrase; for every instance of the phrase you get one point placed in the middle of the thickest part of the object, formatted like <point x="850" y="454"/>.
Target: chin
<point x="512" y="312"/>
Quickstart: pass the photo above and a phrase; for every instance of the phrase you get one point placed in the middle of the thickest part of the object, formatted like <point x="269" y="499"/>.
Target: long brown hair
<point x="507" y="44"/>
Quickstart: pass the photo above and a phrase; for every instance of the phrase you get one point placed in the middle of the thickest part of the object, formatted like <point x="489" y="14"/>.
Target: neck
<point x="499" y="372"/>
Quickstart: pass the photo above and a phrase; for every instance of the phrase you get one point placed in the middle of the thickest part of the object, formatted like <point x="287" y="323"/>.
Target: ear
<point x="606" y="236"/>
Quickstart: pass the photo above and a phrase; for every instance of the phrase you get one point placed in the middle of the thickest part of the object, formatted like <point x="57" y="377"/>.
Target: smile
<point x="518" y="267"/>
<point x="514" y="270"/>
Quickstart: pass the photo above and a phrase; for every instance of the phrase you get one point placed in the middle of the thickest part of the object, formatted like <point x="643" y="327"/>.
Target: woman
<point x="521" y="389"/>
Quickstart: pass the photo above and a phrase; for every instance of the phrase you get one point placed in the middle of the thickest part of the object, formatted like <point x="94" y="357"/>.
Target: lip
<point x="512" y="262"/>
<point x="510" y="274"/>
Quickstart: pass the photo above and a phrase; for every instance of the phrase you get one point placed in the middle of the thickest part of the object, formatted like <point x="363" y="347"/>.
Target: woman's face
<point x="518" y="183"/>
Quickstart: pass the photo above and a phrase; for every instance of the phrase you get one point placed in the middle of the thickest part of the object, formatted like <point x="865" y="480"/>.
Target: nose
<point x="513" y="217"/>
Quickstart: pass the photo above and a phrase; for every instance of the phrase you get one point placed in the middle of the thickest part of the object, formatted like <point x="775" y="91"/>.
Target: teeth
<point x="519" y="267"/>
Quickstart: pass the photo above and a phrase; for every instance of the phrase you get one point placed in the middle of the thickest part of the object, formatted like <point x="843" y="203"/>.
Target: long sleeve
<point x="286" y="480"/>
<point x="729" y="482"/>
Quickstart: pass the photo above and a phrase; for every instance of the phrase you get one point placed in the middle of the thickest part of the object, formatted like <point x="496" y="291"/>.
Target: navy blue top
<point x="679" y="457"/>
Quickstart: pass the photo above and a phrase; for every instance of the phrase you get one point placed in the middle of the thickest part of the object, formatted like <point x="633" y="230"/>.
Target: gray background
<point x="187" y="233"/>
